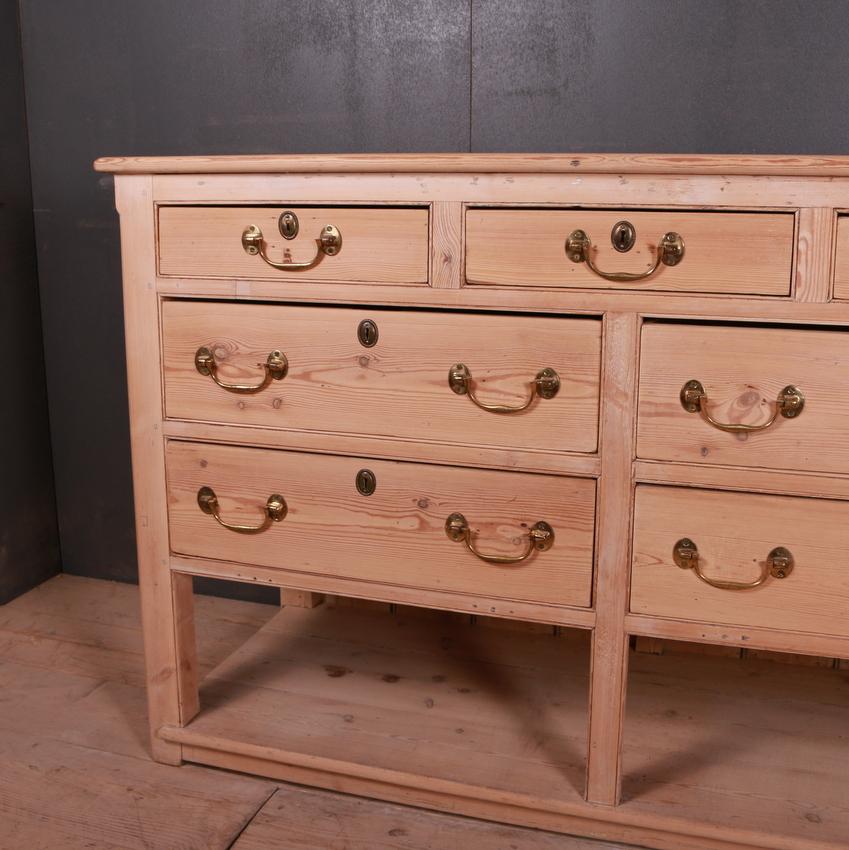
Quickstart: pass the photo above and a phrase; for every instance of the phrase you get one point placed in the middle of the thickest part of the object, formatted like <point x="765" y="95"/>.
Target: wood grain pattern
<point x="814" y="252"/>
<point x="303" y="819"/>
<point x="720" y="634"/>
<point x="396" y="535"/>
<point x="447" y="245"/>
<point x="519" y="300"/>
<point x="743" y="369"/>
<point x="747" y="747"/>
<point x="382" y="244"/>
<point x="734" y="533"/>
<point x="841" y="259"/>
<point x="702" y="768"/>
<point x="591" y="163"/>
<point x="695" y="190"/>
<point x="724" y="252"/>
<point x="185" y="639"/>
<point x="141" y="327"/>
<point x="527" y="614"/>
<point x="397" y="388"/>
<point x="392" y="448"/>
<point x="76" y="768"/>
<point x="754" y="481"/>
<point x="608" y="681"/>
<point x="332" y="708"/>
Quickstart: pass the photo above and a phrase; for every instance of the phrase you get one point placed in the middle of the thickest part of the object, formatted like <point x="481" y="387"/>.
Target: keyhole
<point x="623" y="236"/>
<point x="288" y="225"/>
<point x="367" y="333"/>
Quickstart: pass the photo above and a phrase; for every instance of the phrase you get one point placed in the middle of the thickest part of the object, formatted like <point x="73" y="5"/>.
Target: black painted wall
<point x="29" y="543"/>
<point x="242" y="76"/>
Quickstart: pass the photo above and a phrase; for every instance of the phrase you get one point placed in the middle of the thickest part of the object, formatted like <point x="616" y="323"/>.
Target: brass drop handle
<point x="779" y="564"/>
<point x="546" y="384"/>
<point x="669" y="252"/>
<point x="275" y="510"/>
<point x="790" y="404"/>
<point x="329" y="243"/>
<point x="276" y="367"/>
<point x="540" y="539"/>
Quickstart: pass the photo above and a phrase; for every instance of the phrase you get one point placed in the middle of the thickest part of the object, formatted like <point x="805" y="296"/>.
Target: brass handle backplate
<point x="275" y="510"/>
<point x="329" y="243"/>
<point x="540" y="539"/>
<point x="790" y="404"/>
<point x="669" y="252"/>
<point x="779" y="564"/>
<point x="276" y="367"/>
<point x="546" y="384"/>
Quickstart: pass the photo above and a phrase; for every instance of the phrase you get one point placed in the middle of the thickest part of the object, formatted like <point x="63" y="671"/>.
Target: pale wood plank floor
<point x="74" y="765"/>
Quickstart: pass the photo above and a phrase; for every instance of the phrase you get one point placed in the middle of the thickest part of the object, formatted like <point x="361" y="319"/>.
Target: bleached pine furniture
<point x="608" y="393"/>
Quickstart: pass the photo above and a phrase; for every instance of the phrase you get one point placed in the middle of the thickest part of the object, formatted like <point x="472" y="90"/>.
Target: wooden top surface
<point x="582" y="163"/>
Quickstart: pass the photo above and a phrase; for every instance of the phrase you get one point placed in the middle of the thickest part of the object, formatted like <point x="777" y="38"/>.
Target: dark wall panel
<point x="242" y="76"/>
<point x="725" y="76"/>
<point x="29" y="546"/>
<point x="189" y="77"/>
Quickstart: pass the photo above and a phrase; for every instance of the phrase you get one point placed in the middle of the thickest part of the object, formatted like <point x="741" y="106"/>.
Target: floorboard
<point x="75" y="769"/>
<point x="306" y="819"/>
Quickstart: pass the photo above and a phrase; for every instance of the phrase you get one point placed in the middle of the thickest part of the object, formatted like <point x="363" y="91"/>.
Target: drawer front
<point x="743" y="372"/>
<point x="723" y="252"/>
<point x="733" y="535"/>
<point x="397" y="387"/>
<point x="397" y="535"/>
<point x="841" y="260"/>
<point x="378" y="245"/>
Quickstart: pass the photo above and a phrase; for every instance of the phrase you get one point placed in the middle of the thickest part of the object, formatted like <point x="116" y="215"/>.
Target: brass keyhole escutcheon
<point x="367" y="333"/>
<point x="288" y="225"/>
<point x="366" y="482"/>
<point x="623" y="236"/>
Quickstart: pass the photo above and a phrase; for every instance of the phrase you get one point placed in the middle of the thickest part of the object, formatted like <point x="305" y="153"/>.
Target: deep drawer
<point x="732" y="537"/>
<point x="747" y="375"/>
<point x="397" y="387"/>
<point x="397" y="535"/>
<point x="731" y="252"/>
<point x="373" y="245"/>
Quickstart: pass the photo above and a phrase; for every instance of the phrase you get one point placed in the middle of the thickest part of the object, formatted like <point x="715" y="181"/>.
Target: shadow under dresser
<point x="529" y="409"/>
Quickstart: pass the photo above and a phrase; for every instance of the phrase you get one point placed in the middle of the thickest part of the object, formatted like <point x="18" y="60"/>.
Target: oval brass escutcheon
<point x="623" y="236"/>
<point x="367" y="333"/>
<point x="781" y="562"/>
<point x="288" y="225"/>
<point x="366" y="482"/>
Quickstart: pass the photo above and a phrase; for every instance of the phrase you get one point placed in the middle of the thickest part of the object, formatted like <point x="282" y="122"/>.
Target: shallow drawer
<point x="731" y="538"/>
<point x="398" y="386"/>
<point x="374" y="245"/>
<point x="841" y="260"/>
<point x="396" y="535"/>
<point x="743" y="372"/>
<point x="722" y="252"/>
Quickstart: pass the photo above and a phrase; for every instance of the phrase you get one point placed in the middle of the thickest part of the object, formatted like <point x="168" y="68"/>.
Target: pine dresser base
<point x="602" y="397"/>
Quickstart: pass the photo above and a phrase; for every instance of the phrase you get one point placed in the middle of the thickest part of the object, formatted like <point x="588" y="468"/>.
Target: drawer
<point x="743" y="372"/>
<point x="397" y="535"/>
<point x="732" y="537"/>
<point x="722" y="252"/>
<point x="397" y="387"/>
<point x="841" y="260"/>
<point x="373" y="245"/>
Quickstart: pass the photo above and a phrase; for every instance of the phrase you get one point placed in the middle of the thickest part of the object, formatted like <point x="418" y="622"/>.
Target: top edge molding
<point x="483" y="163"/>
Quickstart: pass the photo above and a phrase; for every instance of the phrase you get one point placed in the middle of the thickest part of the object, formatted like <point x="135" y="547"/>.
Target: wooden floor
<point x="74" y="765"/>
